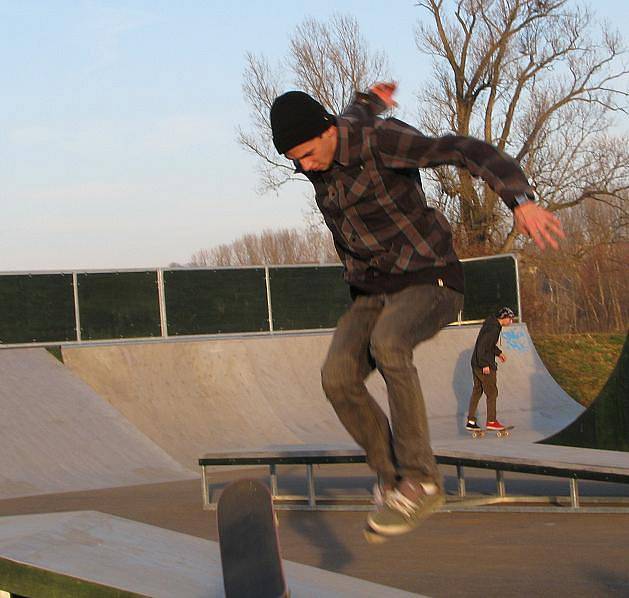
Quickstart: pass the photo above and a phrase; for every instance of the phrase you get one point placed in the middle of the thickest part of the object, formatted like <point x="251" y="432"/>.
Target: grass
<point x="580" y="363"/>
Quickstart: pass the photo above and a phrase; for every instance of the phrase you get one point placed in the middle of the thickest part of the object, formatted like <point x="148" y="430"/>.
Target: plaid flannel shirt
<point x="373" y="203"/>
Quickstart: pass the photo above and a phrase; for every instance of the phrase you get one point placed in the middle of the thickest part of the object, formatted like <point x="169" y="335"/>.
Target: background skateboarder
<point x="404" y="276"/>
<point x="484" y="368"/>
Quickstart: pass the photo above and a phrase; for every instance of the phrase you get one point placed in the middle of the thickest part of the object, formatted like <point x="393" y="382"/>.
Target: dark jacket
<point x="485" y="349"/>
<point x="386" y="235"/>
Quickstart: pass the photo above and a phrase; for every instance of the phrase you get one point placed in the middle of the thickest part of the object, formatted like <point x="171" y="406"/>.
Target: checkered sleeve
<point x="402" y="146"/>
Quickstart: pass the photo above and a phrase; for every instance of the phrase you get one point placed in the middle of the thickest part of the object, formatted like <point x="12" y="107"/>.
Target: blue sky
<point x="118" y="118"/>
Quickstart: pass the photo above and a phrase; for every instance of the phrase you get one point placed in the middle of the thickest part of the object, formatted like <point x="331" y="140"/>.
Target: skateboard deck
<point x="499" y="433"/>
<point x="249" y="545"/>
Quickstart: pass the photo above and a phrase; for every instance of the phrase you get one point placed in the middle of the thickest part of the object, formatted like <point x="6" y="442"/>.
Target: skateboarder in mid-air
<point x="405" y="279"/>
<point x="484" y="368"/>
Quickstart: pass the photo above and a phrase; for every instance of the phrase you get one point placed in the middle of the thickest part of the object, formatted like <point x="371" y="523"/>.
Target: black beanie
<point x="296" y="117"/>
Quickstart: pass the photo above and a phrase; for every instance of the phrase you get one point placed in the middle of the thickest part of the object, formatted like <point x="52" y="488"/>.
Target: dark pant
<point x="484" y="383"/>
<point x="387" y="327"/>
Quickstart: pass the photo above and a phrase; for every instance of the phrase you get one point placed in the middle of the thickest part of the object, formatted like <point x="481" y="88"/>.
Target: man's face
<point x="316" y="153"/>
<point x="505" y="321"/>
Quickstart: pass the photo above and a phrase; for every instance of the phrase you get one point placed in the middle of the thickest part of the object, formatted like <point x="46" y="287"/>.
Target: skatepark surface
<point x="452" y="555"/>
<point x="119" y="429"/>
<point x="113" y="552"/>
<point x="194" y="397"/>
<point x="58" y="435"/>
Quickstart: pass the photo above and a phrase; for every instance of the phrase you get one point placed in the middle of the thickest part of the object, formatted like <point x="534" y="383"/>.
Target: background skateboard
<point x="500" y="433"/>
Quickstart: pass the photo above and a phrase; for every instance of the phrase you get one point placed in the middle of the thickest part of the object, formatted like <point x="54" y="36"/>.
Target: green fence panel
<point x="118" y="305"/>
<point x="216" y="301"/>
<point x="490" y="284"/>
<point x="305" y="298"/>
<point x="114" y="305"/>
<point x="36" y="308"/>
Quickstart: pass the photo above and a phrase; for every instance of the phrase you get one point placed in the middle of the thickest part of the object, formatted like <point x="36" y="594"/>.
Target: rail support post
<point x="207" y="495"/>
<point x="574" y="493"/>
<point x="500" y="483"/>
<point x="312" y="501"/>
<point x="460" y="475"/>
<point x="273" y="479"/>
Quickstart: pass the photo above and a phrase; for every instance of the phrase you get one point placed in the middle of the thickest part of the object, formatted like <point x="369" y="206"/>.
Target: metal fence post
<point x="267" y="278"/>
<point x="161" y="296"/>
<point x="77" y="314"/>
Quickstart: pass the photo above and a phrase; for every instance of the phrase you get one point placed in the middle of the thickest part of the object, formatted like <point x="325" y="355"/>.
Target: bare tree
<point x="329" y="60"/>
<point x="583" y="288"/>
<point x="528" y="77"/>
<point x="271" y="247"/>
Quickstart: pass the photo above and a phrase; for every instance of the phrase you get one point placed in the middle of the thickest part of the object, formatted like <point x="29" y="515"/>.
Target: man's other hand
<point x="486" y="370"/>
<point x="539" y="224"/>
<point x="502" y="357"/>
<point x="385" y="92"/>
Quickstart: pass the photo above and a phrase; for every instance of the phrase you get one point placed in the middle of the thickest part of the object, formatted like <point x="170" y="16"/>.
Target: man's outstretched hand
<point x="385" y="92"/>
<point x="539" y="224"/>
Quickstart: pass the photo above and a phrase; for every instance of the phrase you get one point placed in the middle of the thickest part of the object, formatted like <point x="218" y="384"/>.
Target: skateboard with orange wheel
<point x="502" y="433"/>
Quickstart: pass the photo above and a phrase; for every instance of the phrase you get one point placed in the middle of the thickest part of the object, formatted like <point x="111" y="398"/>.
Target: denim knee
<point x="339" y="374"/>
<point x="390" y="352"/>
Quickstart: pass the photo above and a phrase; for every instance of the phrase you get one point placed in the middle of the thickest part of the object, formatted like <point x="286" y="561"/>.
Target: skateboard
<point x="499" y="433"/>
<point x="249" y="544"/>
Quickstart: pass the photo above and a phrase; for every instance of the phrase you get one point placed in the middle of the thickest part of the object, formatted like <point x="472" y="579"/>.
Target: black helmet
<point x="505" y="312"/>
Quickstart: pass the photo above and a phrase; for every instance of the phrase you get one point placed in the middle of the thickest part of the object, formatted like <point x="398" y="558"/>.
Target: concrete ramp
<point x="92" y="554"/>
<point x="196" y="397"/>
<point x="58" y="435"/>
<point x="529" y="398"/>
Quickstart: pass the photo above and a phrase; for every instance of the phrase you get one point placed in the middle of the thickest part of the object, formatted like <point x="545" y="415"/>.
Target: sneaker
<point x="472" y="425"/>
<point x="380" y="492"/>
<point x="378" y="495"/>
<point x="400" y="514"/>
<point x="495" y="425"/>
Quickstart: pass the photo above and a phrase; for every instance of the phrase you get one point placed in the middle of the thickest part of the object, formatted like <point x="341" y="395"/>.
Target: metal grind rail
<point x="312" y="501"/>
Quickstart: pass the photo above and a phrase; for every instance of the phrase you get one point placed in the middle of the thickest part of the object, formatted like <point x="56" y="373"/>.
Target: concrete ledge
<point x="92" y="554"/>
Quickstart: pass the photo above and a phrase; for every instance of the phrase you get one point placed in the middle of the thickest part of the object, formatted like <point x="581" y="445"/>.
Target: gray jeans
<point x="386" y="328"/>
